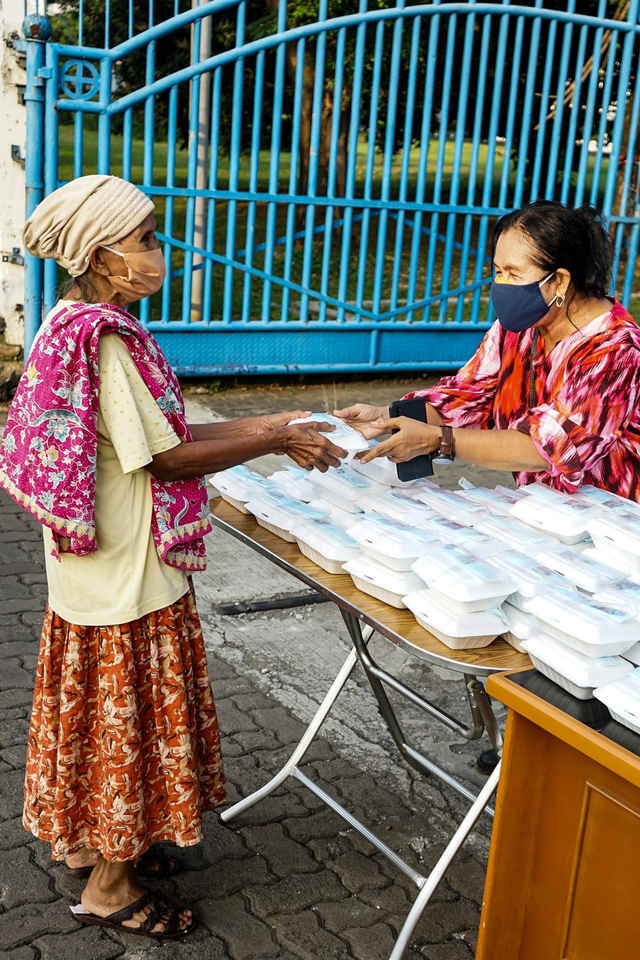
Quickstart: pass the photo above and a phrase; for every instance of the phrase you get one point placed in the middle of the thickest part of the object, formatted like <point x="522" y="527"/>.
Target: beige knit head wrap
<point x="69" y="223"/>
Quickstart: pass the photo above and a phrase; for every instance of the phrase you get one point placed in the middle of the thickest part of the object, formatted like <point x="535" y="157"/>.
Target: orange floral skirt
<point x="124" y="748"/>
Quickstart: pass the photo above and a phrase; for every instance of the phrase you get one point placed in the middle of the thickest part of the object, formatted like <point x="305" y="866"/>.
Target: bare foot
<point x="86" y="857"/>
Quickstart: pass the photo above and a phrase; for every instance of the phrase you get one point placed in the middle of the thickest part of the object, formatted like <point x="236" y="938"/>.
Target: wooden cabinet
<point x="563" y="880"/>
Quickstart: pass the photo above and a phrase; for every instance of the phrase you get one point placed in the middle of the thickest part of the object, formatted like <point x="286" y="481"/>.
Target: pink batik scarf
<point x="48" y="455"/>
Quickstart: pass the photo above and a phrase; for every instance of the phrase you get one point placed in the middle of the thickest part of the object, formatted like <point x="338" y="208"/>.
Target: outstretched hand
<point x="306" y="445"/>
<point x="362" y="417"/>
<point x="412" y="439"/>
<point x="272" y="421"/>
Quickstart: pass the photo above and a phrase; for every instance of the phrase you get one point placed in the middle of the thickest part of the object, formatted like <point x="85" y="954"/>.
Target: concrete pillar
<point x="12" y="175"/>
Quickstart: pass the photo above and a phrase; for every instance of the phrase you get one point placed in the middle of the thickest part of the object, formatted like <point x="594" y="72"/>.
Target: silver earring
<point x="560" y="299"/>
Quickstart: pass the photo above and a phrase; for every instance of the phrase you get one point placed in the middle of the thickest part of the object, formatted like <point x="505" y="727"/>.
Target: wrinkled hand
<point x="306" y="445"/>
<point x="272" y="421"/>
<point x="361" y="416"/>
<point x="412" y="439"/>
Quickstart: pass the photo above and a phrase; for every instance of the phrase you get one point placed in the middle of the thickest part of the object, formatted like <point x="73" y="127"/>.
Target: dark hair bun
<point x="564" y="237"/>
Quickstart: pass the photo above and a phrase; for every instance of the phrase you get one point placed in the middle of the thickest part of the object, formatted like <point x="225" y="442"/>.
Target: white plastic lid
<point x="342" y="518"/>
<point x="398" y="582"/>
<point x="382" y="470"/>
<point x="327" y="538"/>
<point x="452" y="506"/>
<point x="517" y="536"/>
<point x="457" y="573"/>
<point x="557" y="517"/>
<point x="425" y="604"/>
<point x="495" y="501"/>
<point x="619" y="528"/>
<point x="391" y="537"/>
<point x="476" y="542"/>
<point x="522" y="625"/>
<point x="613" y="501"/>
<point x="345" y="482"/>
<point x="622" y="696"/>
<point x="241" y="484"/>
<point x="294" y="482"/>
<point x="544" y="492"/>
<point x="343" y="436"/>
<point x="574" y="666"/>
<point x="612" y="558"/>
<point x="282" y="511"/>
<point x="583" y="617"/>
<point x="585" y="572"/>
<point x="530" y="577"/>
<point x="624" y="593"/>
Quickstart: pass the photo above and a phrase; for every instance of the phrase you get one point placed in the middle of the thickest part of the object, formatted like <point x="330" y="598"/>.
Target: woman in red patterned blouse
<point x="552" y="391"/>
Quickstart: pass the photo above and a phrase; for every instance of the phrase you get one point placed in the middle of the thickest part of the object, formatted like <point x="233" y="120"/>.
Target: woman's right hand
<point x="306" y="445"/>
<point x="361" y="415"/>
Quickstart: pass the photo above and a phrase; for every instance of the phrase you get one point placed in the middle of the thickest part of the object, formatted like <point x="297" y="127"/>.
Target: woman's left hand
<point x="272" y="421"/>
<point x="412" y="439"/>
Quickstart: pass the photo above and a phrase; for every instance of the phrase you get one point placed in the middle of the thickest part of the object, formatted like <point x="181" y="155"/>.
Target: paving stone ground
<point x="289" y="879"/>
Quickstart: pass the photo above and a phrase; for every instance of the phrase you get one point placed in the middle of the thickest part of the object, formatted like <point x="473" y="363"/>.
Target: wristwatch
<point x="446" y="451"/>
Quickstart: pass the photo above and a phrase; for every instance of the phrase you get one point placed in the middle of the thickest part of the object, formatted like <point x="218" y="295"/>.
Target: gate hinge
<point x="45" y="73"/>
<point x="16" y="154"/>
<point x="14" y="257"/>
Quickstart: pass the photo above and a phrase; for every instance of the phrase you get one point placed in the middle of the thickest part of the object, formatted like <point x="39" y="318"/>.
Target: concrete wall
<point x="12" y="179"/>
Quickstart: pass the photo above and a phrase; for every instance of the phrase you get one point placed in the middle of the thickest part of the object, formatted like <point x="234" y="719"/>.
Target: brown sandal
<point x="163" y="871"/>
<point x="159" y="908"/>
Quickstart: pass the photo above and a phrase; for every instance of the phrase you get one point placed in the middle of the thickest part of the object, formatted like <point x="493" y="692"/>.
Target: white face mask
<point x="146" y="273"/>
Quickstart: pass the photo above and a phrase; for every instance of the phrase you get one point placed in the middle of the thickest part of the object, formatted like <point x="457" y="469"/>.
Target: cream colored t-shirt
<point x="124" y="579"/>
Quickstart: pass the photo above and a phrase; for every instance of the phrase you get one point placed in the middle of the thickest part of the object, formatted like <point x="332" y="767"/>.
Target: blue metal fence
<point x="325" y="191"/>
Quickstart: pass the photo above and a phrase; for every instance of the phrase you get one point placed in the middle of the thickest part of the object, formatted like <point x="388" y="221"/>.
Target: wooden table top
<point x="399" y="626"/>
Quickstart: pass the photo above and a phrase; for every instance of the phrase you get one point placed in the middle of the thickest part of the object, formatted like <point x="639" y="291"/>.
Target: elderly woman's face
<point x="142" y="238"/>
<point x="512" y="262"/>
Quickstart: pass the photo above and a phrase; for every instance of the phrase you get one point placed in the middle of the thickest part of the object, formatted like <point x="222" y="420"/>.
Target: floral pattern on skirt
<point x="124" y="748"/>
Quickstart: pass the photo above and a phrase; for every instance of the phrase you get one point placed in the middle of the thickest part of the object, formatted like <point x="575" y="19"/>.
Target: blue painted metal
<point x="328" y="246"/>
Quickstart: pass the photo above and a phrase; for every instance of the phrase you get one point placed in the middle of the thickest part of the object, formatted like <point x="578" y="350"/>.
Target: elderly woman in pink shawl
<point x="123" y="747"/>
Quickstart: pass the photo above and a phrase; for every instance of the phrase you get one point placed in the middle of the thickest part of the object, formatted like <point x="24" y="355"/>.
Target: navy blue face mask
<point x="519" y="306"/>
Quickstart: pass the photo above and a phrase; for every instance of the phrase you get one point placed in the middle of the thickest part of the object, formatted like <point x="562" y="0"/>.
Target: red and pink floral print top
<point x="586" y="421"/>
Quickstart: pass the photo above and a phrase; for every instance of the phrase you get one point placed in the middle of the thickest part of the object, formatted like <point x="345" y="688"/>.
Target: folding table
<point x="400" y="627"/>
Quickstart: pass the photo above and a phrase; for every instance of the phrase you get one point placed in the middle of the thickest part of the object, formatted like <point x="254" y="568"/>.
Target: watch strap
<point x="447" y="446"/>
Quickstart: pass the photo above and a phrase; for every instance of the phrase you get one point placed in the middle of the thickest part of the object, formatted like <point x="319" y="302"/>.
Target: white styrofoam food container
<point x="566" y="520"/>
<point x="624" y="593"/>
<point x="478" y="543"/>
<point x="238" y="484"/>
<point x="520" y="625"/>
<point x="380" y="582"/>
<point x="382" y="470"/>
<point x="618" y="531"/>
<point x="343" y="436"/>
<point x="390" y="542"/>
<point x="633" y="654"/>
<point x="586" y="573"/>
<point x="497" y="502"/>
<point x="398" y="504"/>
<point x="281" y="514"/>
<point x="530" y="577"/>
<point x="463" y="578"/>
<point x="343" y="486"/>
<point x="294" y="482"/>
<point x="622" y="697"/>
<point x="342" y="518"/>
<point x="459" y="632"/>
<point x="452" y="506"/>
<point x="516" y="536"/>
<point x="595" y="629"/>
<point x="614" y="558"/>
<point x="326" y="544"/>
<point x="574" y="672"/>
<point x="612" y="501"/>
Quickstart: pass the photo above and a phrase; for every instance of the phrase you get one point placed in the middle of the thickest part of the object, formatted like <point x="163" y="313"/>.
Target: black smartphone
<point x="421" y="466"/>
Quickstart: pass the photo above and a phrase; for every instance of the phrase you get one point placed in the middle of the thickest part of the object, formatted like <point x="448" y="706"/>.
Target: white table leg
<point x="303" y="746"/>
<point x="436" y="875"/>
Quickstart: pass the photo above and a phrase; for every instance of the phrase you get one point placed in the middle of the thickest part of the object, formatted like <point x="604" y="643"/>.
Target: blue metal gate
<point x="325" y="191"/>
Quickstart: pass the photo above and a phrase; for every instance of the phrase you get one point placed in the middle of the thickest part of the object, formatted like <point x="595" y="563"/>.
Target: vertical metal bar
<point x="314" y="150"/>
<point x="461" y="120"/>
<point x="390" y="132"/>
<point x="556" y="131"/>
<point x="425" y="138"/>
<point x="352" y="161"/>
<point x="536" y="172"/>
<point x="274" y="161"/>
<point x="107" y="24"/>
<point x="149" y="138"/>
<point x="253" y="182"/>
<point x="591" y="100"/>
<point x="602" y="127"/>
<point x="172" y="124"/>
<point x="630" y="162"/>
<point x="618" y="126"/>
<point x="192" y="167"/>
<point x="439" y="173"/>
<point x="104" y="120"/>
<point x="234" y="165"/>
<point x="576" y="109"/>
<point x="34" y="97"/>
<point x="52" y="153"/>
<point x="406" y="158"/>
<point x="527" y="109"/>
<point x="371" y="151"/>
<point x="293" y="176"/>
<point x="336" y="115"/>
<point x="473" y="162"/>
<point x="127" y="143"/>
<point x="511" y="114"/>
<point x="214" y="155"/>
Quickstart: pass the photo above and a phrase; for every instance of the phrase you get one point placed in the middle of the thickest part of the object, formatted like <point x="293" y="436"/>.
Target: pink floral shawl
<point x="48" y="456"/>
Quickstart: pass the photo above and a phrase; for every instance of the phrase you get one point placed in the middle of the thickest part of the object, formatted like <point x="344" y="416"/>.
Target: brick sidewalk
<point x="289" y="881"/>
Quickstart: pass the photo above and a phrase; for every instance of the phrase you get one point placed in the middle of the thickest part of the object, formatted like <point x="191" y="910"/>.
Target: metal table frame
<point x="482" y="717"/>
